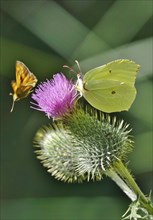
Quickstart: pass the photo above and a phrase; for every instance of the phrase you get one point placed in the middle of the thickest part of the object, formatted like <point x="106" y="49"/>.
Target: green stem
<point x="121" y="175"/>
<point x="118" y="180"/>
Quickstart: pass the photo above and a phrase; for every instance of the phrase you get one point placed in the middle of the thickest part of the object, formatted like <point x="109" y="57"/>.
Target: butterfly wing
<point x="114" y="99"/>
<point x="110" y="88"/>
<point x="23" y="75"/>
<point x="118" y="70"/>
<point x="25" y="82"/>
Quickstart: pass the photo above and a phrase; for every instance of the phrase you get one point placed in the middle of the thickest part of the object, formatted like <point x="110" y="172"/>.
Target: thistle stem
<point x="118" y="180"/>
<point x="122" y="177"/>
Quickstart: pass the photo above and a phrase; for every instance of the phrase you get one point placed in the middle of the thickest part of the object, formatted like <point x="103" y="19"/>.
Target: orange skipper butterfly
<point x="25" y="82"/>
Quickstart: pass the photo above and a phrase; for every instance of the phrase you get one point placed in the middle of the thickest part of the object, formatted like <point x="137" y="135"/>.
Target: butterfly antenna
<point x="12" y="103"/>
<point x="71" y="69"/>
<point x="78" y="66"/>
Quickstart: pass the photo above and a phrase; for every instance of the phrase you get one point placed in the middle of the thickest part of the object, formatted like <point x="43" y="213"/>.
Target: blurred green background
<point x="45" y="35"/>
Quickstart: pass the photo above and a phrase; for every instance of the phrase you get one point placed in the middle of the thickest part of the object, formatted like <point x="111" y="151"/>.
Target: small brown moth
<point x="25" y="82"/>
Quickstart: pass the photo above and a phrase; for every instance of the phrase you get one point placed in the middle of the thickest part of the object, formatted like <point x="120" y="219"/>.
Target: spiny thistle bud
<point x="83" y="146"/>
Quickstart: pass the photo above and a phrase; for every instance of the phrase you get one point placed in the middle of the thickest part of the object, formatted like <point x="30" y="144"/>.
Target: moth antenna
<point x="71" y="69"/>
<point x="12" y="104"/>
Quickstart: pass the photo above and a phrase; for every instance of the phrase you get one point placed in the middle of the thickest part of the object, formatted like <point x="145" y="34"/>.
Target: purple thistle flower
<point x="55" y="97"/>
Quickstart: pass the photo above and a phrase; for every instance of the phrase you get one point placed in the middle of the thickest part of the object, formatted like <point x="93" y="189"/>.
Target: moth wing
<point x="119" y="70"/>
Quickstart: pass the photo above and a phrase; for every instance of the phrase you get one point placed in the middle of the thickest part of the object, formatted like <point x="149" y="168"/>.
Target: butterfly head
<point x="79" y="82"/>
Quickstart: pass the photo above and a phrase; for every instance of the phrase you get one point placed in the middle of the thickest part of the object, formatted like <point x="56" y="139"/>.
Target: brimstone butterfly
<point x="110" y="87"/>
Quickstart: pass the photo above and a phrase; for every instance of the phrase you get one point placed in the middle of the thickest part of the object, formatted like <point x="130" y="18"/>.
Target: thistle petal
<point x="55" y="97"/>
